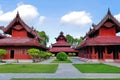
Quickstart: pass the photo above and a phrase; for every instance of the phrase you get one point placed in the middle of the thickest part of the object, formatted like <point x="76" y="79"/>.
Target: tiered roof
<point x="61" y="41"/>
<point x="61" y="45"/>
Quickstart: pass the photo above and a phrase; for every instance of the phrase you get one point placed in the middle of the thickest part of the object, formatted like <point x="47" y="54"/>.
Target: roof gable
<point x="61" y="37"/>
<point x="18" y="20"/>
<point x="108" y="17"/>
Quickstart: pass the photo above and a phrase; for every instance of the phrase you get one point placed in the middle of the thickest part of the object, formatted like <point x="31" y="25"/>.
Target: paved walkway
<point x="76" y="60"/>
<point x="65" y="70"/>
<point x="47" y="61"/>
<point x="113" y="64"/>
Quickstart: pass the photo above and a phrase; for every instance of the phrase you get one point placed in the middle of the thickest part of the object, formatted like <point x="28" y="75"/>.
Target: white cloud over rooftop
<point x="28" y="13"/>
<point x="117" y="16"/>
<point x="77" y="18"/>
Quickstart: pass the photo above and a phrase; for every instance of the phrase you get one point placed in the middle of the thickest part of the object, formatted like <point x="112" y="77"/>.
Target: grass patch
<point x="58" y="61"/>
<point x="97" y="68"/>
<point x="28" y="68"/>
<point x="62" y="79"/>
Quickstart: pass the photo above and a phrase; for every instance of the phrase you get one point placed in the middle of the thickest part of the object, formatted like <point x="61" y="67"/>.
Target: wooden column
<point x="119" y="55"/>
<point x="93" y="53"/>
<point x="88" y="52"/>
<point x="105" y="54"/>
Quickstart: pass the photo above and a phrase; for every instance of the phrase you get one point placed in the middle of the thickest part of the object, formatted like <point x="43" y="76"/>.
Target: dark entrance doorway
<point x="100" y="52"/>
<point x="115" y="53"/>
<point x="12" y="54"/>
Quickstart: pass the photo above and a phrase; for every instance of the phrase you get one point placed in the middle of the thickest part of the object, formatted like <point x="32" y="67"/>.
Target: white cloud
<point x="28" y="13"/>
<point x="1" y="12"/>
<point x="117" y="17"/>
<point x="41" y="20"/>
<point x="78" y="18"/>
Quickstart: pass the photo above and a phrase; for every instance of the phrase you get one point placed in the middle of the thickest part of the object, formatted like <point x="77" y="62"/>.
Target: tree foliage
<point x="74" y="41"/>
<point x="70" y="39"/>
<point x="37" y="55"/>
<point x="43" y="35"/>
<point x="2" y="53"/>
<point x="34" y="53"/>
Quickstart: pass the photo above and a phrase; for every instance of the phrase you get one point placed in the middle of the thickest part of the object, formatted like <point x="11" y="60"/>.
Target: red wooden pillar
<point x="118" y="55"/>
<point x="93" y="53"/>
<point x="105" y="54"/>
<point x="87" y="52"/>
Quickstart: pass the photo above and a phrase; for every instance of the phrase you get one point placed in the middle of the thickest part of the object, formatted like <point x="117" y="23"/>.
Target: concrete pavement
<point x="76" y="60"/>
<point x="113" y="64"/>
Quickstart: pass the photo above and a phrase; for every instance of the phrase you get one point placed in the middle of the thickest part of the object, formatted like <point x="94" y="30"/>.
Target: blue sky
<point x="52" y="16"/>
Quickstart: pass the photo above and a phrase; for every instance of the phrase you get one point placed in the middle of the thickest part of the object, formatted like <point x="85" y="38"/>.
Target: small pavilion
<point x="62" y="45"/>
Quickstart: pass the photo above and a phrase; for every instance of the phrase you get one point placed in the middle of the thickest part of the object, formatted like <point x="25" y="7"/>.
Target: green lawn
<point x="62" y="79"/>
<point x="97" y="68"/>
<point x="28" y="68"/>
<point x="58" y="61"/>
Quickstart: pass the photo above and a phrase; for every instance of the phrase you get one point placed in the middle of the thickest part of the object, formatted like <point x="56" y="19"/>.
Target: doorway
<point x="100" y="51"/>
<point x="12" y="54"/>
<point x="115" y="53"/>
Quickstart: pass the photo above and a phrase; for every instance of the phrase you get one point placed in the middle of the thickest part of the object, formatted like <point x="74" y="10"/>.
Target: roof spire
<point x="61" y="33"/>
<point x="93" y="25"/>
<point x="109" y="12"/>
<point x="17" y="15"/>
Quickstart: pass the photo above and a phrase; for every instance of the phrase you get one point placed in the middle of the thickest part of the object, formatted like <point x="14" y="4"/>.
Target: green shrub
<point x="2" y="53"/>
<point x="42" y="54"/>
<point x="74" y="54"/>
<point x="49" y="54"/>
<point x="70" y="54"/>
<point x="34" y="53"/>
<point x="62" y="56"/>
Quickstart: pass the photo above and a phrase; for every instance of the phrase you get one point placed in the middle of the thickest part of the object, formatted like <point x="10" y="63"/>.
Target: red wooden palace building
<point x="21" y="38"/>
<point x="101" y="42"/>
<point x="61" y="45"/>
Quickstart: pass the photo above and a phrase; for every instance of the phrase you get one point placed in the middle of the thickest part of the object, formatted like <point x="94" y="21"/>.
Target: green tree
<point x="70" y="39"/>
<point x="44" y="36"/>
<point x="2" y="53"/>
<point x="34" y="53"/>
<point x="74" y="41"/>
